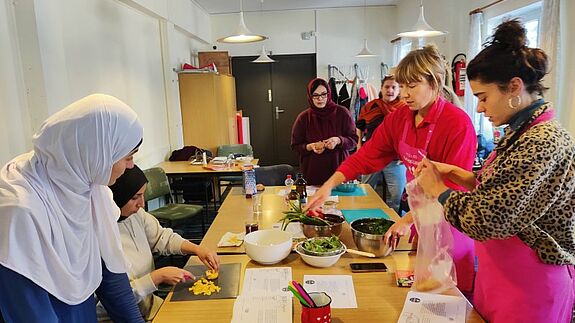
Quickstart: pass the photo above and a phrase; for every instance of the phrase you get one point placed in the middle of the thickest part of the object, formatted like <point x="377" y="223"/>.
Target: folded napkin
<point x="351" y="215"/>
<point x="231" y="239"/>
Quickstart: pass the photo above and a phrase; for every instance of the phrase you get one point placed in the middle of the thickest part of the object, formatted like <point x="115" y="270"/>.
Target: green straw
<point x="296" y="294"/>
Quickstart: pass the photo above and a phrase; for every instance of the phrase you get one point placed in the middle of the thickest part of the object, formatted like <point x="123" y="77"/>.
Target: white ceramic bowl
<point x="319" y="261"/>
<point x="268" y="246"/>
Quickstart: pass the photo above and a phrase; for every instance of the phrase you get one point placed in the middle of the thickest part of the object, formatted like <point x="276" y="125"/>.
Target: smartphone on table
<point x="362" y="267"/>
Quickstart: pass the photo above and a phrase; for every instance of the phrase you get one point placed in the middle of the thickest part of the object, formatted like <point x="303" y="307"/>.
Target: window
<point x="529" y="15"/>
<point x="401" y="47"/>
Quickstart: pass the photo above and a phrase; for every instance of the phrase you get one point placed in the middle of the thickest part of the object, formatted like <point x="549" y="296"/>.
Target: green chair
<point x="226" y="150"/>
<point x="243" y="149"/>
<point x="159" y="187"/>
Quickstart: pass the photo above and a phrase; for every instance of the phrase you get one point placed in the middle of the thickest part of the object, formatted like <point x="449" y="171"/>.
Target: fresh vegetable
<point x="204" y="287"/>
<point x="323" y="244"/>
<point x="297" y="215"/>
<point x="376" y="226"/>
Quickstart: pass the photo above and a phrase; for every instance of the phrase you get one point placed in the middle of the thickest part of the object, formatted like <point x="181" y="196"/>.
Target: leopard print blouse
<point x="527" y="191"/>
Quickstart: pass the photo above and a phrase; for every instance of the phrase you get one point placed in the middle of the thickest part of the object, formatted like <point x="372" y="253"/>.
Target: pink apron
<point x="513" y="285"/>
<point x="463" y="248"/>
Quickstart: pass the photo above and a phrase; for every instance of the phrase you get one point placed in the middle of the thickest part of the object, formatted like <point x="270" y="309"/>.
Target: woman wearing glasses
<point x="322" y="135"/>
<point x="429" y="126"/>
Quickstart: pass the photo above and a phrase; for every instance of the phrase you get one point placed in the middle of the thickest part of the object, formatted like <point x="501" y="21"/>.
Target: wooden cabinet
<point x="208" y="105"/>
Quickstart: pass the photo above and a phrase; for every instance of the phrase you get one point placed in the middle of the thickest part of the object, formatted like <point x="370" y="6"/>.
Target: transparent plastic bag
<point x="434" y="268"/>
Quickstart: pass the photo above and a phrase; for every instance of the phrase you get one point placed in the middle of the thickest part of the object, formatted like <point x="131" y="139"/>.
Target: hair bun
<point x="511" y="34"/>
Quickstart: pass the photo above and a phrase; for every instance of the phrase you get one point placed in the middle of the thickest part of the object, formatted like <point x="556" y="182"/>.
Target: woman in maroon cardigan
<point x="322" y="135"/>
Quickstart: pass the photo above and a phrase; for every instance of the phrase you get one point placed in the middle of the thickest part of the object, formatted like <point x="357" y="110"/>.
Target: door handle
<point x="278" y="111"/>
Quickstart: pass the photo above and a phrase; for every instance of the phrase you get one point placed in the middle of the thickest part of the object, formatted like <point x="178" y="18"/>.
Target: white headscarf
<point x="57" y="216"/>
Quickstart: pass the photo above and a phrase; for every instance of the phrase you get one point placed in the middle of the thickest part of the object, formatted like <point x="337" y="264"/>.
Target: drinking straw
<point x="303" y="293"/>
<point x="296" y="294"/>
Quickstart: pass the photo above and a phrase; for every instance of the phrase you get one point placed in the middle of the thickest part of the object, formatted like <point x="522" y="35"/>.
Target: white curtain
<point x="565" y="93"/>
<point x="482" y="125"/>
<point x="549" y="35"/>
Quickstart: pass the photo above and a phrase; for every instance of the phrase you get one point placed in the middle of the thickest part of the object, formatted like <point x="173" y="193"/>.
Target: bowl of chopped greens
<point x="321" y="251"/>
<point x="332" y="227"/>
<point x="368" y="235"/>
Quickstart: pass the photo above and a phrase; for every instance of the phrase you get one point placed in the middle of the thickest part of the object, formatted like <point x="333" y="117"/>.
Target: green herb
<point x="297" y="215"/>
<point x="377" y="226"/>
<point x="322" y="244"/>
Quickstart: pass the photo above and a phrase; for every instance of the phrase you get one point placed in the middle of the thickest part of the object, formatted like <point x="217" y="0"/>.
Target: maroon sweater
<point x="315" y="124"/>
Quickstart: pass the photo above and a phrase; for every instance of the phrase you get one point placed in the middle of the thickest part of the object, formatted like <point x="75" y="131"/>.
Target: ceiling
<point x="229" y="6"/>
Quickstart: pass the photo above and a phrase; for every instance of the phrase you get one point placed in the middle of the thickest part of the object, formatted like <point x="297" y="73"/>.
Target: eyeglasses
<point x="317" y="96"/>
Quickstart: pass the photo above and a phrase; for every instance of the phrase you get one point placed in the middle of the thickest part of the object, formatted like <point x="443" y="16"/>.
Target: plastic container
<point x="250" y="183"/>
<point x="288" y="183"/>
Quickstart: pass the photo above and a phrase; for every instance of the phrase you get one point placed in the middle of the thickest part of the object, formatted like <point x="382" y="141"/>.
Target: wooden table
<point x="378" y="297"/>
<point x="233" y="211"/>
<point x="184" y="169"/>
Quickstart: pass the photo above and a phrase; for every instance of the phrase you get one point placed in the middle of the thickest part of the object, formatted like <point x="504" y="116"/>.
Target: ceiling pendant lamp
<point x="365" y="52"/>
<point x="264" y="58"/>
<point x="242" y="34"/>
<point x="421" y="27"/>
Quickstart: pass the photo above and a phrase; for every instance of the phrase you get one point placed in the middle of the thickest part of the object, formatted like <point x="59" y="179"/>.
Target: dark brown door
<point x="272" y="95"/>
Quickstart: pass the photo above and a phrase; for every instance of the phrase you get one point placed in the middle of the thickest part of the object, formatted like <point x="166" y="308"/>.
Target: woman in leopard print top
<point x="521" y="206"/>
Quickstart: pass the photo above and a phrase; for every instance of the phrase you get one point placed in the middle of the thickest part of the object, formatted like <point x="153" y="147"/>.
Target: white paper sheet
<point x="338" y="287"/>
<point x="265" y="297"/>
<point x="262" y="309"/>
<point x="267" y="281"/>
<point x="432" y="308"/>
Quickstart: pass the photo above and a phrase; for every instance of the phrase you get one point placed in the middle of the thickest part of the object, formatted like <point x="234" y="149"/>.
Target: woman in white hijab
<point x="59" y="241"/>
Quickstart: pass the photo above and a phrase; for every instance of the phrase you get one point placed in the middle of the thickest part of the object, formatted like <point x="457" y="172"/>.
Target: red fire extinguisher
<point x="458" y="74"/>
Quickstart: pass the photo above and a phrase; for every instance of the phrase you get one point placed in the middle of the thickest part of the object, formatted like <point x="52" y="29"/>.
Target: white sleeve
<point x="142" y="287"/>
<point x="161" y="240"/>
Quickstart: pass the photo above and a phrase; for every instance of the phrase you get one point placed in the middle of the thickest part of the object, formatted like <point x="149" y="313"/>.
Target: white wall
<point x="340" y="34"/>
<point x="15" y="120"/>
<point x="71" y="48"/>
<point x="453" y="16"/>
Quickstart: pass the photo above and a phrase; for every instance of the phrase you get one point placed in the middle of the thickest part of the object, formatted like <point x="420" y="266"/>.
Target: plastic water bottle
<point x="250" y="183"/>
<point x="288" y="183"/>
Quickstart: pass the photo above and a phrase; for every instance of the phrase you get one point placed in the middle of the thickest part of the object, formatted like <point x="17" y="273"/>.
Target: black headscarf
<point x="128" y="185"/>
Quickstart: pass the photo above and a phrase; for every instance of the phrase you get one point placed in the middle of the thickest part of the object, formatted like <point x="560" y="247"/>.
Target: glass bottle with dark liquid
<point x="300" y="187"/>
<point x="251" y="227"/>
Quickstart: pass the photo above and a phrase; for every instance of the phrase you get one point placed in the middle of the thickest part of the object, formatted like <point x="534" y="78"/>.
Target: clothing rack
<point x="383" y="70"/>
<point x="331" y="69"/>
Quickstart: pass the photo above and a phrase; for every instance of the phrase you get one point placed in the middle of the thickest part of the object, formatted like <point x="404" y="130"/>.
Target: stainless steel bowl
<point x="369" y="242"/>
<point x="347" y="187"/>
<point x="301" y="249"/>
<point x="310" y="230"/>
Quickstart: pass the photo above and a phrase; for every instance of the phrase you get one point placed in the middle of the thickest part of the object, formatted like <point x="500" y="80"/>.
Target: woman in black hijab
<point x="143" y="235"/>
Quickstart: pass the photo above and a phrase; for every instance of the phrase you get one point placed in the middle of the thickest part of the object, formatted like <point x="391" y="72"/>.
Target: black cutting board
<point x="228" y="280"/>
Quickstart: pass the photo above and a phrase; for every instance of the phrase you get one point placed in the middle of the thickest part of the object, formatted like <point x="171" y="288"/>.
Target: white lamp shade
<point x="365" y="52"/>
<point x="264" y="58"/>
<point x="242" y="34"/>
<point x="421" y="28"/>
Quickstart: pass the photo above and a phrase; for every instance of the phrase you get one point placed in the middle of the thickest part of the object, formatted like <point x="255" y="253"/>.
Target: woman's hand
<point x="429" y="177"/>
<point x="170" y="275"/>
<point x="316" y="147"/>
<point x="444" y="169"/>
<point x="209" y="258"/>
<point x="317" y="199"/>
<point x="332" y="142"/>
<point x="398" y="229"/>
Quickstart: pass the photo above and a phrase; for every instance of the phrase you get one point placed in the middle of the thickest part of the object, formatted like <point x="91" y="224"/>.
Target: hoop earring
<point x="510" y="103"/>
